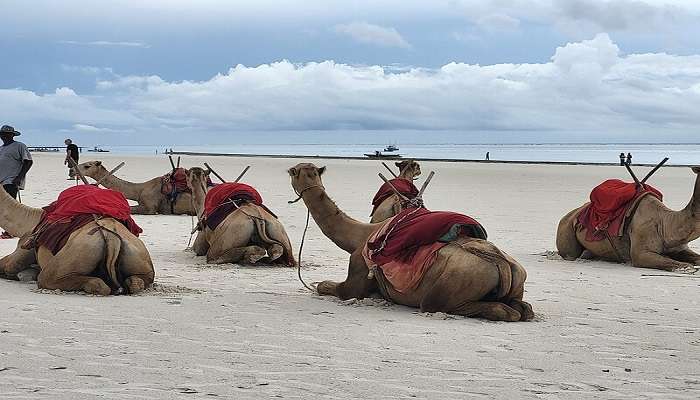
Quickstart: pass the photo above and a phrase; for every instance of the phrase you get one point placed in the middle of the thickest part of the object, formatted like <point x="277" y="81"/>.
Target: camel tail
<point x="113" y="246"/>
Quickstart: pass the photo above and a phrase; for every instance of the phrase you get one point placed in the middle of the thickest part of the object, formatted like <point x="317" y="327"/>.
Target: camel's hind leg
<point x="514" y="299"/>
<point x="135" y="265"/>
<point x="493" y="311"/>
<point x="568" y="245"/>
<point x="245" y="255"/>
<point x="52" y="277"/>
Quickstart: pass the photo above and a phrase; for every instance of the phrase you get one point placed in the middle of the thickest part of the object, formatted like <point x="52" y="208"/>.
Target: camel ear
<point x="321" y="171"/>
<point x="98" y="163"/>
<point x="696" y="169"/>
<point x="292" y="172"/>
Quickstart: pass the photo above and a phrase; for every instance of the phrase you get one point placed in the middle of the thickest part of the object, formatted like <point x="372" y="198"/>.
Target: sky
<point x="213" y="71"/>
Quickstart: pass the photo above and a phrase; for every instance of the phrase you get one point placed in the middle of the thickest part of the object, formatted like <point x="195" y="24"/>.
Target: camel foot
<point x="96" y="286"/>
<point x="254" y="254"/>
<point x="327" y="288"/>
<point x="525" y="309"/>
<point x="685" y="269"/>
<point x="134" y="284"/>
<point x="28" y="275"/>
<point x="274" y="252"/>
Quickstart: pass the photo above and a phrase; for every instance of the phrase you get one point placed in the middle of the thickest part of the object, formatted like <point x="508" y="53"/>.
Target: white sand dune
<point x="602" y="330"/>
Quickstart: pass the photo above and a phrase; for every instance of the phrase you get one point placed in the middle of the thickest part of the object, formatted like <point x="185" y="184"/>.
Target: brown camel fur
<point x="409" y="170"/>
<point x="464" y="273"/>
<point x="248" y="235"/>
<point x="75" y="265"/>
<point x="656" y="237"/>
<point x="148" y="194"/>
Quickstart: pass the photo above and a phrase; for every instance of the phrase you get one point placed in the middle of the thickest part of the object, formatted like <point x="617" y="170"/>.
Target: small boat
<point x="379" y="154"/>
<point x="97" y="149"/>
<point x="391" y="148"/>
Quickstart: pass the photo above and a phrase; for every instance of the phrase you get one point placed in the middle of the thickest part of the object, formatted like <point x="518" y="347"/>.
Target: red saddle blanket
<point x="407" y="245"/>
<point x="404" y="186"/>
<point x="224" y="198"/>
<point x="416" y="227"/>
<point x="75" y="208"/>
<point x="175" y="182"/>
<point x="610" y="202"/>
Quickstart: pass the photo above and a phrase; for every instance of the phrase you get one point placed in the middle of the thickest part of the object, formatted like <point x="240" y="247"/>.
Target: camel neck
<point x="17" y="219"/>
<point x="130" y="190"/>
<point x="694" y="204"/>
<point x="199" y="196"/>
<point x="347" y="233"/>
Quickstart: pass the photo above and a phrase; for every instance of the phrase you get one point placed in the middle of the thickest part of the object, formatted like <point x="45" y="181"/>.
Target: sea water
<point x="686" y="154"/>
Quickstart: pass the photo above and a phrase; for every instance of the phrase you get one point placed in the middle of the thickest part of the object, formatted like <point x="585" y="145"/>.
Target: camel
<point x="655" y="237"/>
<point x="74" y="267"/>
<point x="248" y="235"/>
<point x="408" y="170"/>
<point x="457" y="282"/>
<point x="148" y="194"/>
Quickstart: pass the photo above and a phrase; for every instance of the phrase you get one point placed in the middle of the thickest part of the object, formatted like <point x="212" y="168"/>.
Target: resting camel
<point x="456" y="282"/>
<point x="408" y="170"/>
<point x="249" y="234"/>
<point x="656" y="236"/>
<point x="148" y="194"/>
<point x="74" y="267"/>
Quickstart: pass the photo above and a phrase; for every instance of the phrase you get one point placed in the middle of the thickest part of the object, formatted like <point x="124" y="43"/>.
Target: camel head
<point x="93" y="169"/>
<point x="305" y="176"/>
<point x="408" y="169"/>
<point x="197" y="178"/>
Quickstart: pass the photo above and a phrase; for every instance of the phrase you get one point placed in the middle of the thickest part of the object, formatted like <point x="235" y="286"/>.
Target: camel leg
<point x="685" y="255"/>
<point x="515" y="296"/>
<point x="568" y="245"/>
<point x="355" y="286"/>
<point x="274" y="252"/>
<point x="200" y="245"/>
<point x="492" y="311"/>
<point x="75" y="281"/>
<point x="16" y="262"/>
<point x="143" y="210"/>
<point x="649" y="259"/>
<point x="135" y="265"/>
<point x="246" y="255"/>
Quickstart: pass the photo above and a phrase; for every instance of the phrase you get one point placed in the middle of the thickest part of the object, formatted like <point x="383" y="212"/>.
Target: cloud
<point x="586" y="86"/>
<point x="498" y="23"/>
<point x="105" y="43"/>
<point x="364" y="32"/>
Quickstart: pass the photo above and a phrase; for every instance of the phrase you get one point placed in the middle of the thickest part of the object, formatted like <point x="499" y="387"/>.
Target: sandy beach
<point x="601" y="330"/>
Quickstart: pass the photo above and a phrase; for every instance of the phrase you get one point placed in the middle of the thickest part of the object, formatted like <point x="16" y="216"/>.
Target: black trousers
<point x="11" y="190"/>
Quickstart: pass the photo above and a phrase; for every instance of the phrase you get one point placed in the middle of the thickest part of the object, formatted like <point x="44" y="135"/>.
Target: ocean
<point x="680" y="154"/>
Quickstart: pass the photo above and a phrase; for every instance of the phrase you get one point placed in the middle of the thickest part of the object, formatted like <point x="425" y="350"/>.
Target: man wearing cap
<point x="15" y="161"/>
<point x="72" y="152"/>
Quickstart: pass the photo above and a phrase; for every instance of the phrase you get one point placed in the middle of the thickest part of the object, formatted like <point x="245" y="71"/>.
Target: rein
<point x="303" y="236"/>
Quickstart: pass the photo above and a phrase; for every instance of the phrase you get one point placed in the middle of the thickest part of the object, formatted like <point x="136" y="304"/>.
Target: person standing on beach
<point x="487" y="156"/>
<point x="15" y="162"/>
<point x="622" y="159"/>
<point x="73" y="152"/>
<point x="629" y="159"/>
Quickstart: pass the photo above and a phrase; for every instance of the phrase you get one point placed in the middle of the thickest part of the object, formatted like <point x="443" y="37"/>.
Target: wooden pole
<point x="633" y="175"/>
<point x="77" y="171"/>
<point x="242" y="173"/>
<point x="425" y="184"/>
<point x="172" y="163"/>
<point x="392" y="187"/>
<point x="215" y="174"/>
<point x="659" y="165"/>
<point x="178" y="161"/>
<point x="110" y="173"/>
<point x="390" y="170"/>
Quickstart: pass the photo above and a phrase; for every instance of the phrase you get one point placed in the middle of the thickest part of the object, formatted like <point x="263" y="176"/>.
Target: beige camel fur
<point x="464" y="273"/>
<point x="248" y="235"/>
<point x="656" y="237"/>
<point x="74" y="266"/>
<point x="409" y="170"/>
<point x="147" y="194"/>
